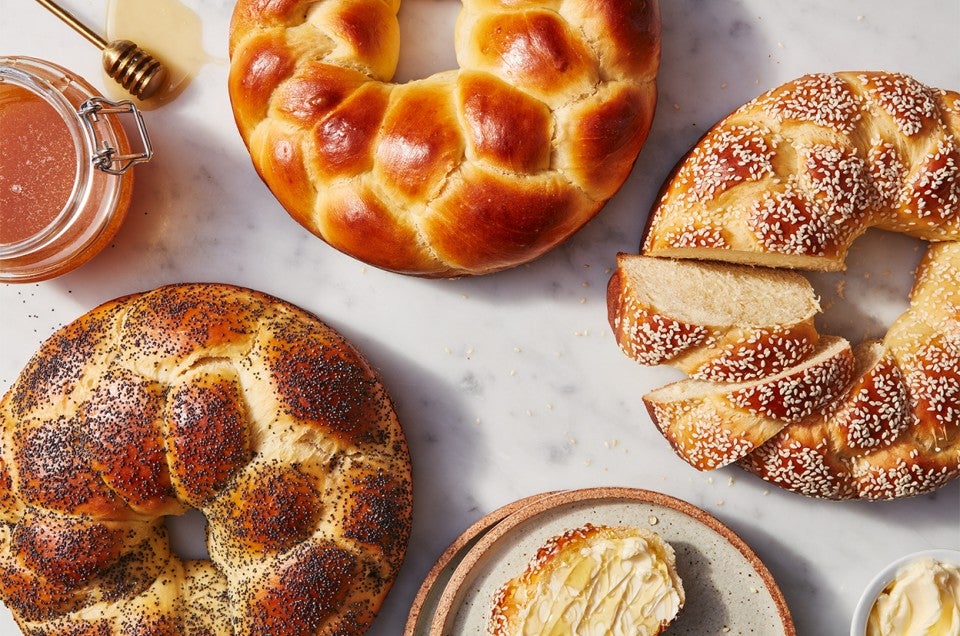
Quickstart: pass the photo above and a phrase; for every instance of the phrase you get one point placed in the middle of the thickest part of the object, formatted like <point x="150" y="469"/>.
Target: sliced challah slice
<point x="593" y="580"/>
<point x="714" y="321"/>
<point x="710" y="425"/>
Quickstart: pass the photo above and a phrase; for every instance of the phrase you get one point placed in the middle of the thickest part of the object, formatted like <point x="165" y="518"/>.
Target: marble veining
<point x="512" y="384"/>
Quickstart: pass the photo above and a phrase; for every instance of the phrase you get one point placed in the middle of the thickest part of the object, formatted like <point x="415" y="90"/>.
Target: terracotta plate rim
<point x="479" y="527"/>
<point x="451" y="594"/>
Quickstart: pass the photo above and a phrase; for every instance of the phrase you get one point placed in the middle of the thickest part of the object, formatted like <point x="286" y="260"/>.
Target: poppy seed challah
<point x="468" y="171"/>
<point x="210" y="397"/>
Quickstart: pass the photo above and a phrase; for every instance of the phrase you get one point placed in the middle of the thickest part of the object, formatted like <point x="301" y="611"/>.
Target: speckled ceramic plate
<point x="728" y="589"/>
<point x="428" y="596"/>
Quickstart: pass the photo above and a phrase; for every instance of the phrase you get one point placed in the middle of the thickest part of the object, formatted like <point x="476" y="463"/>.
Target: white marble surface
<point x="511" y="384"/>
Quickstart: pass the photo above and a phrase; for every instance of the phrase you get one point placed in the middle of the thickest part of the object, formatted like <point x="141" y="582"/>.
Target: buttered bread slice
<point x="620" y="581"/>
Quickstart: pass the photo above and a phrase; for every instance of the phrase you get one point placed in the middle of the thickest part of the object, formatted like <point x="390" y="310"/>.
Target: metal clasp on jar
<point x="106" y="157"/>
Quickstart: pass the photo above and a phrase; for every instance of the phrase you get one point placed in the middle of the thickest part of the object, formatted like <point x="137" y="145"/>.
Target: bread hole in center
<point x="426" y="38"/>
<point x="188" y="535"/>
<point x="862" y="302"/>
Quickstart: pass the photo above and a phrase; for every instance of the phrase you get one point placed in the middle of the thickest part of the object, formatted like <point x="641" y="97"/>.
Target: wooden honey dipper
<point x="132" y="67"/>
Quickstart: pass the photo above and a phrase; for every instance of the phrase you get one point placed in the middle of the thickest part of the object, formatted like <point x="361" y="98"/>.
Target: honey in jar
<point x="65" y="178"/>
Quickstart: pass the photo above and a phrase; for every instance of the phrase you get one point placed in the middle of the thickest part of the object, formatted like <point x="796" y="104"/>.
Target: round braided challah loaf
<point x="464" y="172"/>
<point x="210" y="397"/>
<point x="790" y="180"/>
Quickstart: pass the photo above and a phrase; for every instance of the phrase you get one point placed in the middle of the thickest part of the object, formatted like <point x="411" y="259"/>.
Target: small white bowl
<point x="858" y="626"/>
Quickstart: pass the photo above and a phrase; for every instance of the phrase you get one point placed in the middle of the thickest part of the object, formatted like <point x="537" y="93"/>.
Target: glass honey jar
<point x="65" y="169"/>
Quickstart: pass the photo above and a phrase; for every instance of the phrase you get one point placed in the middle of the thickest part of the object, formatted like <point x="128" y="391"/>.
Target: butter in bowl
<point x="918" y="594"/>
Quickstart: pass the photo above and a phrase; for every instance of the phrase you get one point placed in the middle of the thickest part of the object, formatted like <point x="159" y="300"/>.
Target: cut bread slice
<point x="714" y="321"/>
<point x="710" y="425"/>
<point x="590" y="580"/>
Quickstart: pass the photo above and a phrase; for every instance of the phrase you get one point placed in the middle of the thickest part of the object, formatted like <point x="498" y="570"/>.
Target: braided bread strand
<point x="217" y="398"/>
<point x="791" y="178"/>
<point x="896" y="433"/>
<point x="464" y="172"/>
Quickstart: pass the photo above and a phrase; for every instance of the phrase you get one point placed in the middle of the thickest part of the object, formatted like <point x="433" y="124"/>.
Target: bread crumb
<point x="572" y="440"/>
<point x="730" y="481"/>
<point x="765" y="493"/>
<point x="859" y="18"/>
<point x="709" y="480"/>
<point x="517" y="349"/>
<point x="676" y="106"/>
<point x="549" y="406"/>
<point x="583" y="300"/>
<point x="615" y="442"/>
<point x="841" y="288"/>
<point x="723" y="85"/>
<point x="513" y="372"/>
<point x="720" y="502"/>
<point x="585" y="283"/>
<point x="587" y="462"/>
<point x="652" y="520"/>
<point x="529" y="413"/>
<point x="465" y="296"/>
<point x="606" y="444"/>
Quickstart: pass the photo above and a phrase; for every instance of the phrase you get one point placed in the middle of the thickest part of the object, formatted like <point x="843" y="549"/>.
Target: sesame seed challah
<point x="210" y="397"/>
<point x="789" y="180"/>
<point x="464" y="172"/>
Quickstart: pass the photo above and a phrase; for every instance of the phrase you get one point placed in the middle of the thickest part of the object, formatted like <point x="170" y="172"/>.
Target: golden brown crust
<point x="549" y="98"/>
<point x="206" y="396"/>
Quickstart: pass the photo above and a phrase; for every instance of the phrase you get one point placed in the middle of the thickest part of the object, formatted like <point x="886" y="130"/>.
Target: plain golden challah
<point x="464" y="172"/>
<point x="210" y="397"/>
<point x="789" y="180"/>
